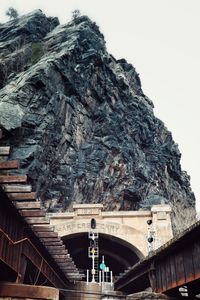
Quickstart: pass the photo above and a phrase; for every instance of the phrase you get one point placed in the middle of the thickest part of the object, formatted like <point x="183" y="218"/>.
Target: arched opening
<point x="118" y="254"/>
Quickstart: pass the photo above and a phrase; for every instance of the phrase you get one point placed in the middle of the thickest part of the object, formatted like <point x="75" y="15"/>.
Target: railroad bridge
<point x="123" y="235"/>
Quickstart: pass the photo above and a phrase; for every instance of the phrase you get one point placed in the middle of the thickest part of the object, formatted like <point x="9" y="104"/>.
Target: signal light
<point x="150" y="239"/>
<point x="93" y="223"/>
<point x="93" y="252"/>
<point x="149" y="222"/>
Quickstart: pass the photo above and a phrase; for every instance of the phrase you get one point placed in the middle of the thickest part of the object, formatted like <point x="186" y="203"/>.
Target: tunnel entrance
<point x="118" y="254"/>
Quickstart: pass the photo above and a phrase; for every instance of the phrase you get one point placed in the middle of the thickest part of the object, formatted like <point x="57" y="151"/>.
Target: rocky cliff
<point x="78" y="119"/>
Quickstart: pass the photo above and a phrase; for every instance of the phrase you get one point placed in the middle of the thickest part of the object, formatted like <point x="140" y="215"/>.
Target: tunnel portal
<point x="118" y="254"/>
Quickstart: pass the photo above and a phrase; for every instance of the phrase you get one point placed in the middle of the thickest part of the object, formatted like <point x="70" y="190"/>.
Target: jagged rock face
<point x="79" y="121"/>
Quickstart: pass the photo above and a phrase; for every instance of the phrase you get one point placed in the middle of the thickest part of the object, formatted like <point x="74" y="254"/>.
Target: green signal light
<point x="102" y="266"/>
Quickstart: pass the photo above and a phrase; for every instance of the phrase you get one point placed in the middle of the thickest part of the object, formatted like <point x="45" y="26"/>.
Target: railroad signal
<point x="150" y="239"/>
<point x="149" y="222"/>
<point x="93" y="252"/>
<point x="93" y="223"/>
<point x="102" y="266"/>
<point x="93" y="235"/>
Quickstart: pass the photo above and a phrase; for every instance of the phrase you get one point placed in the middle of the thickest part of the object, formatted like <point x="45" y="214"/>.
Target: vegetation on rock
<point x="12" y="13"/>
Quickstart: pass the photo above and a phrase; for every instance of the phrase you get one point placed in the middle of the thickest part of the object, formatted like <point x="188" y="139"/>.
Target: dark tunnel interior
<point x="118" y="254"/>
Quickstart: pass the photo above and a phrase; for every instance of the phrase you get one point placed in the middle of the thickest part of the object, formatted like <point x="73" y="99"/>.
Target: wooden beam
<point x="27" y="205"/>
<point x="47" y="234"/>
<point x="37" y="220"/>
<point x="52" y="243"/>
<point x="74" y="275"/>
<point x="51" y="239"/>
<point x="17" y="188"/>
<point x="66" y="264"/>
<point x="39" y="228"/>
<point x="4" y="150"/>
<point x="60" y="251"/>
<point x="56" y="248"/>
<point x="12" y="178"/>
<point x="33" y="213"/>
<point x="66" y="270"/>
<point x="22" y="196"/>
<point x="60" y="256"/>
<point x="61" y="260"/>
<point x="9" y="164"/>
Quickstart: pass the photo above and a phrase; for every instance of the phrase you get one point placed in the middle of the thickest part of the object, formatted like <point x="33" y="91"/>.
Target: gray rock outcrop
<point x="78" y="119"/>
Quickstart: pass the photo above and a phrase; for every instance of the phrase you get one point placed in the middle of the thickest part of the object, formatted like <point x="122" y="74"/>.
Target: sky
<point x="161" y="39"/>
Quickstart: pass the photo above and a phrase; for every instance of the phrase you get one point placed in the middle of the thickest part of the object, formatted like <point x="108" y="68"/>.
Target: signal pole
<point x="93" y="253"/>
<point x="93" y="250"/>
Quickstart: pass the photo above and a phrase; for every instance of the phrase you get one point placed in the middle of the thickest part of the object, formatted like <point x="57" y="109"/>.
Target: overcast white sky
<point x="161" y="38"/>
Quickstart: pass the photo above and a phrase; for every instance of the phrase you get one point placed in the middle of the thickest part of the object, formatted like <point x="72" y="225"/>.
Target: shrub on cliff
<point x="12" y="13"/>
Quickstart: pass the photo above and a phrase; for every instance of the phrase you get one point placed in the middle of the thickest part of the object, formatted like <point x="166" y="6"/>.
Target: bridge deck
<point x="175" y="264"/>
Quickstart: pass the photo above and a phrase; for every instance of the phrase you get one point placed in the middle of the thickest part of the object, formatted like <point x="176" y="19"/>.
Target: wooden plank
<point x="53" y="240"/>
<point x="173" y="271"/>
<point x="9" y="164"/>
<point x="27" y="205"/>
<point x="4" y="150"/>
<point x="163" y="276"/>
<point x="61" y="260"/>
<point x="158" y="279"/>
<point x="56" y="248"/>
<point x="188" y="263"/>
<point x="74" y="276"/>
<point x="39" y="228"/>
<point x="12" y="178"/>
<point x="180" y="272"/>
<point x="168" y="274"/>
<point x="17" y="188"/>
<point x="196" y="259"/>
<point x="33" y="213"/>
<point x="67" y="269"/>
<point x="60" y="251"/>
<point x="67" y="265"/>
<point x="63" y="256"/>
<point x="70" y="269"/>
<point x="52" y="243"/>
<point x="22" y="196"/>
<point x="47" y="234"/>
<point x="37" y="220"/>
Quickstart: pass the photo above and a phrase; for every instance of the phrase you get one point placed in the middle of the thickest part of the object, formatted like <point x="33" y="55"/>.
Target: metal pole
<point x="93" y="269"/>
<point x="99" y="277"/>
<point x="111" y="279"/>
<point x="87" y="277"/>
<point x="103" y="269"/>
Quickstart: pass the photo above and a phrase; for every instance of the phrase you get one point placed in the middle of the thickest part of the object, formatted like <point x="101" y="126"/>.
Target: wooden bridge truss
<point x="27" y="241"/>
<point x="170" y="269"/>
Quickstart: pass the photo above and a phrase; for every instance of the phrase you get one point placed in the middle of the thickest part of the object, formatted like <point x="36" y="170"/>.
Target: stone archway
<point x="127" y="230"/>
<point x="135" y="238"/>
<point x="119" y="254"/>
